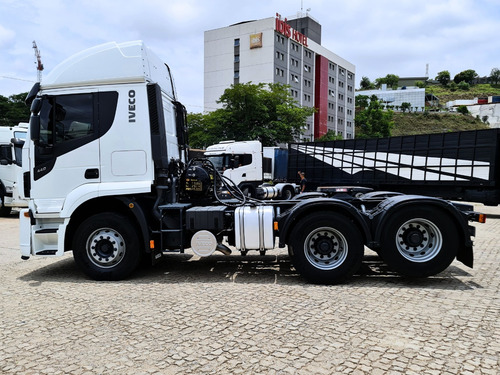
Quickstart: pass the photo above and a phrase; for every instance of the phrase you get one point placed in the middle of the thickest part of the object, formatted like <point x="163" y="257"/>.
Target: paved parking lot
<point x="253" y="315"/>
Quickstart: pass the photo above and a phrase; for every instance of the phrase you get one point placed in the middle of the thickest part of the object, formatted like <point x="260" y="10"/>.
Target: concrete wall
<point x="490" y="110"/>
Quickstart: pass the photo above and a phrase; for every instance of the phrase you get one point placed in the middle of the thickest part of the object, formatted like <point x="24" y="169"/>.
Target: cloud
<point x="386" y="36"/>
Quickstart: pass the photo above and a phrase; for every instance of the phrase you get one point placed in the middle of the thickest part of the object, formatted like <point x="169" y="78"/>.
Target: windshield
<point x="219" y="163"/>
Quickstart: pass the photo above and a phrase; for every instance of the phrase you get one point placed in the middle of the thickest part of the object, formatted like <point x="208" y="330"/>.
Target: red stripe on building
<point x="321" y="96"/>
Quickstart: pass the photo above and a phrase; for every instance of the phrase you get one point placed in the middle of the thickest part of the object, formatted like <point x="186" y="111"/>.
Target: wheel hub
<point x="325" y="248"/>
<point x="106" y="247"/>
<point x="419" y="240"/>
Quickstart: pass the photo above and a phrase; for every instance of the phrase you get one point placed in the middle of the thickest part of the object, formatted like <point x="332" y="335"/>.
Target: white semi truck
<point x="256" y="170"/>
<point x="11" y="143"/>
<point x="107" y="178"/>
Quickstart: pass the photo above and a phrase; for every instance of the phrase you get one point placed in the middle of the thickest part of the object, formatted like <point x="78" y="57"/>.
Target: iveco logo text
<point x="131" y="106"/>
<point x="41" y="169"/>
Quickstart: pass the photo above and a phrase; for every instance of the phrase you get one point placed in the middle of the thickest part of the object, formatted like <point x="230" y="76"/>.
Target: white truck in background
<point x="107" y="178"/>
<point x="11" y="143"/>
<point x="258" y="171"/>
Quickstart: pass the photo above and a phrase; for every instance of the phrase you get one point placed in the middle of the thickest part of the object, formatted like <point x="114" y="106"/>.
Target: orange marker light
<point x="152" y="244"/>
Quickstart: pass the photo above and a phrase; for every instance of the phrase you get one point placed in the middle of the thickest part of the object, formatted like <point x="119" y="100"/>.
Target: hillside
<point x="428" y="122"/>
<point x="477" y="91"/>
<point x="434" y="122"/>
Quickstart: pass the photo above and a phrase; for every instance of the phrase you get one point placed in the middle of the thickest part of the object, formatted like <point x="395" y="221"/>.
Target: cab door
<point x="66" y="151"/>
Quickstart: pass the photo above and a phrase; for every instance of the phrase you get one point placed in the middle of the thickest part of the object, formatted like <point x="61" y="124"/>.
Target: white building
<point x="273" y="50"/>
<point x="414" y="96"/>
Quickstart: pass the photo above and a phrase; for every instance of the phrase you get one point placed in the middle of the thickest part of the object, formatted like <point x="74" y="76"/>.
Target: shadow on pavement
<point x="251" y="269"/>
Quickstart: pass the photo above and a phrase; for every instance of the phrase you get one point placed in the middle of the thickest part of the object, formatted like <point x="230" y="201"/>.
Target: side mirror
<point x="36" y="105"/>
<point x="17" y="142"/>
<point x="4" y="162"/>
<point x="35" y="128"/>
<point x="236" y="162"/>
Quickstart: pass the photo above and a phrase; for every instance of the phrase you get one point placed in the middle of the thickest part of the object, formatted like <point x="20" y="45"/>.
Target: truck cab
<point x="11" y="143"/>
<point x="241" y="162"/>
<point x="104" y="123"/>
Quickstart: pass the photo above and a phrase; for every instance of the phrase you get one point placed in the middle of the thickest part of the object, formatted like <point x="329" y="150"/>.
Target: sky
<point x="379" y="37"/>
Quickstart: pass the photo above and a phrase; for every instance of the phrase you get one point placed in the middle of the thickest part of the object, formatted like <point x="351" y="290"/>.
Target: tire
<point x="107" y="247"/>
<point x="287" y="194"/>
<point x="419" y="242"/>
<point x="340" y="248"/>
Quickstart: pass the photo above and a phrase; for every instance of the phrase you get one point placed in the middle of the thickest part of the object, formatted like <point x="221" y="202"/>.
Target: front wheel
<point x="106" y="247"/>
<point x="327" y="248"/>
<point x="419" y="242"/>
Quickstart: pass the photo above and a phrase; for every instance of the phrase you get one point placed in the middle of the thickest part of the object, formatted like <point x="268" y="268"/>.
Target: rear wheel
<point x="326" y="248"/>
<point x="106" y="247"/>
<point x="419" y="242"/>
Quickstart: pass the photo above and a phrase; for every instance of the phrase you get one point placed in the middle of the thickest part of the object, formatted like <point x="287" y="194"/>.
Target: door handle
<point x="92" y="173"/>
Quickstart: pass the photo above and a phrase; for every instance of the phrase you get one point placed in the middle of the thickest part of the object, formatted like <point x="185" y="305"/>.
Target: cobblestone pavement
<point x="253" y="315"/>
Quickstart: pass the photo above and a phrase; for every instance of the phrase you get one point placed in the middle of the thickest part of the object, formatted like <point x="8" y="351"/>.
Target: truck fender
<point x="287" y="220"/>
<point x="139" y="217"/>
<point x="391" y="205"/>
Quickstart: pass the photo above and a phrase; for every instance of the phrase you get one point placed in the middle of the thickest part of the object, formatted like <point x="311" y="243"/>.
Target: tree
<point x="390" y="79"/>
<point x="13" y="110"/>
<point x="443" y="77"/>
<point x="420" y="84"/>
<point x="264" y="112"/>
<point x="405" y="106"/>
<point x="330" y="135"/>
<point x="463" y="86"/>
<point x="463" y="109"/>
<point x="467" y="75"/>
<point x="373" y="122"/>
<point x="362" y="101"/>
<point x="495" y="76"/>
<point x="366" y="84"/>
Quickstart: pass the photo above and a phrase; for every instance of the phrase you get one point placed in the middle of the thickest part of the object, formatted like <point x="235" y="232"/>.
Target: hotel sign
<point x="284" y="28"/>
<point x="256" y="40"/>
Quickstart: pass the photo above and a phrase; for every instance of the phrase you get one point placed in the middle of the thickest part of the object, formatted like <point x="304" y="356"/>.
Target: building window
<point x="341" y="96"/>
<point x="349" y="88"/>
<point x="331" y="92"/>
<point x="341" y="84"/>
<point x="236" y="58"/>
<point x="237" y="42"/>
<point x="237" y="74"/>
